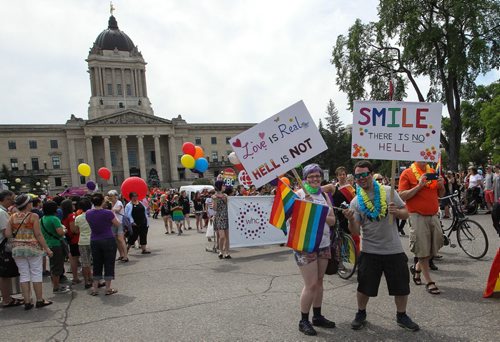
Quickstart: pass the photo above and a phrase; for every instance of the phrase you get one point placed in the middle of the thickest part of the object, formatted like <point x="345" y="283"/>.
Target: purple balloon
<point x="91" y="185"/>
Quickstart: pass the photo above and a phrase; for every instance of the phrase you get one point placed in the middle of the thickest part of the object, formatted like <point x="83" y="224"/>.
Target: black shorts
<point x="393" y="266"/>
<point x="74" y="250"/>
<point x="57" y="261"/>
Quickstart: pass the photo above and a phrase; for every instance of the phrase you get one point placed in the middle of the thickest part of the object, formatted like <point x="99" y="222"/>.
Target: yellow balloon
<point x="84" y="169"/>
<point x="187" y="161"/>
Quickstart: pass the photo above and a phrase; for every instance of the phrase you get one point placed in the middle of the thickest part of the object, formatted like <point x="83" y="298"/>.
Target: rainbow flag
<point x="439" y="166"/>
<point x="282" y="206"/>
<point x="307" y="225"/>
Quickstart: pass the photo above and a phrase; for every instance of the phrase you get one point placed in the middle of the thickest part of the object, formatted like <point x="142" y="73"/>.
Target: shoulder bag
<point x="64" y="243"/>
<point x="8" y="267"/>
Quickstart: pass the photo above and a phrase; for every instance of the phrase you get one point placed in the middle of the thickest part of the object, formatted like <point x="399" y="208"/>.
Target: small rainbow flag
<point x="307" y="225"/>
<point x="282" y="206"/>
<point x="439" y="166"/>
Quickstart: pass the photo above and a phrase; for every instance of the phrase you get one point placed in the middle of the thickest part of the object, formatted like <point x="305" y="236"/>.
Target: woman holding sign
<point x="313" y="265"/>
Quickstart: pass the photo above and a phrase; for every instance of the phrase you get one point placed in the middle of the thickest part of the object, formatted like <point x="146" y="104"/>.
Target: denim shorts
<point x="303" y="258"/>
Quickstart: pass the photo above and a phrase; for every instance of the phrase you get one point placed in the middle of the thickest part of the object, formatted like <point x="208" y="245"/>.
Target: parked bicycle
<point x="470" y="234"/>
<point x="348" y="254"/>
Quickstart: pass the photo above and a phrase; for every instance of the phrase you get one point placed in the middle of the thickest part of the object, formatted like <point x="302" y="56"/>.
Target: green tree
<point x="449" y="41"/>
<point x="338" y="139"/>
<point x="481" y="123"/>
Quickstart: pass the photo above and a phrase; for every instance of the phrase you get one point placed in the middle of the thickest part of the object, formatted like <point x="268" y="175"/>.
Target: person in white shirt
<point x="119" y="211"/>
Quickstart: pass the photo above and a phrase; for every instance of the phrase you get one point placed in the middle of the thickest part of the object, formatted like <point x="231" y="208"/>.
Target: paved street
<point x="182" y="293"/>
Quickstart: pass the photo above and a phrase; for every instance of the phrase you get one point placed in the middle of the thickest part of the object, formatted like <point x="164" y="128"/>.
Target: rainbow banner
<point x="307" y="226"/>
<point x="282" y="206"/>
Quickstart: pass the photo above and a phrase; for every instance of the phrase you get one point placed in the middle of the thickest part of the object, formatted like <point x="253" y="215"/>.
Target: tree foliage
<point x="449" y="41"/>
<point x="481" y="122"/>
<point x="338" y="139"/>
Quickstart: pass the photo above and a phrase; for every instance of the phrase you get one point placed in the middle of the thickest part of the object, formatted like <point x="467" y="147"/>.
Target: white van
<point x="191" y="191"/>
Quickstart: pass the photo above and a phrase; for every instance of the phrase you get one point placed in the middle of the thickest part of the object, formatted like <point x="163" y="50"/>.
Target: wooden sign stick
<point x="393" y="182"/>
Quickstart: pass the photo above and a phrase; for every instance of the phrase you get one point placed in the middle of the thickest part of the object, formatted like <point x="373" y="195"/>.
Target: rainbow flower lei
<point x="378" y="209"/>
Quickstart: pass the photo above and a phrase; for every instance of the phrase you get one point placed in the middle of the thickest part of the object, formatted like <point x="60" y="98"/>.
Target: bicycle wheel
<point x="348" y="257"/>
<point x="472" y="239"/>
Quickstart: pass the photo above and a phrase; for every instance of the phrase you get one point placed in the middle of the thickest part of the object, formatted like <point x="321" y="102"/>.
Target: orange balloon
<point x="285" y="180"/>
<point x="198" y="152"/>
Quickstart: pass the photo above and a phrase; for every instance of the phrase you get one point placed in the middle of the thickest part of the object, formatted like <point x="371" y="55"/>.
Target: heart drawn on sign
<point x="261" y="135"/>
<point x="237" y="143"/>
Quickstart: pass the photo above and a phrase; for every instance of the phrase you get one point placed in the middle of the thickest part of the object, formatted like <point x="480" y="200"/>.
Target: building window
<point x="214" y="140"/>
<point x="33" y="144"/>
<point x="82" y="180"/>
<point x="56" y="162"/>
<point x="12" y="144"/>
<point x="13" y="164"/>
<point x="132" y="158"/>
<point x="34" y="164"/>
<point x="113" y="158"/>
<point x="179" y="156"/>
<point x="115" y="180"/>
<point x="197" y="141"/>
<point x="110" y="89"/>
<point x="129" y="90"/>
<point x="58" y="181"/>
<point x="54" y="144"/>
<point x="227" y="140"/>
<point x="215" y="156"/>
<point x="182" y="174"/>
<point x="152" y="158"/>
<point x="119" y="89"/>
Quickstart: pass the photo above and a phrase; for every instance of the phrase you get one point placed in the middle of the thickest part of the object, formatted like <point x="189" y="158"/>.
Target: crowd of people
<point x="88" y="232"/>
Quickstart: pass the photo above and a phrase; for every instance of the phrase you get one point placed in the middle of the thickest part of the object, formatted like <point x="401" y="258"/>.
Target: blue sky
<point x="208" y="60"/>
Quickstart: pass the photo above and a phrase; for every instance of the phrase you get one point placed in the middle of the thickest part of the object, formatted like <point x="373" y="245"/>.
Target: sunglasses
<point x="379" y="179"/>
<point x="361" y="175"/>
<point x="313" y="177"/>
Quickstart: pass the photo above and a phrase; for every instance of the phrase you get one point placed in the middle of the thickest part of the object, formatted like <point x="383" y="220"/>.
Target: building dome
<point x="114" y="38"/>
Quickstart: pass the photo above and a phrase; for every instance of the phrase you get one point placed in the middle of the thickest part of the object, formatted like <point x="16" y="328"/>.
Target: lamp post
<point x="47" y="185"/>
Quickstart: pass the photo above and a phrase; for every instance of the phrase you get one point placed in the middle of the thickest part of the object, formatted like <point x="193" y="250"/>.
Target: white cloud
<point x="209" y="60"/>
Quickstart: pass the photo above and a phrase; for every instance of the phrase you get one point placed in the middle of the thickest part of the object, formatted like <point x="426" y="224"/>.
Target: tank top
<point x="24" y="244"/>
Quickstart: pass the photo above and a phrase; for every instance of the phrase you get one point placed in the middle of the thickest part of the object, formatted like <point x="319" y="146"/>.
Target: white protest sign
<point x="278" y="144"/>
<point x="393" y="130"/>
<point x="248" y="218"/>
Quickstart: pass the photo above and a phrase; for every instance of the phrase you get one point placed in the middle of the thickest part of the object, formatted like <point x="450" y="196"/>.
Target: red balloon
<point x="134" y="184"/>
<point x="104" y="173"/>
<point x="189" y="148"/>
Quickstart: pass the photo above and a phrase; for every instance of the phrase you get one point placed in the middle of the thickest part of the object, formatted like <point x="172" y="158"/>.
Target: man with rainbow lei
<point x="381" y="248"/>
<point x="426" y="236"/>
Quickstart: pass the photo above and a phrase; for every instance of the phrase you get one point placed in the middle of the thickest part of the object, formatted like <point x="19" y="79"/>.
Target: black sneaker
<point x="321" y="321"/>
<point x="359" y="321"/>
<point x="306" y="328"/>
<point x="405" y="322"/>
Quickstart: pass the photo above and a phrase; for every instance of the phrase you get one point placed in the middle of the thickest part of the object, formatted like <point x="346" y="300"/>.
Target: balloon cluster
<point x="193" y="158"/>
<point x="233" y="159"/>
<point x="85" y="170"/>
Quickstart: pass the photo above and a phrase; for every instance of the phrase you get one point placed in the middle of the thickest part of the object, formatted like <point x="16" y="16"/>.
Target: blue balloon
<point x="201" y="164"/>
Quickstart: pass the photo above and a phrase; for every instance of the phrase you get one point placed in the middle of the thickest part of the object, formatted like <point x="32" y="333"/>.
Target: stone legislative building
<point x="121" y="132"/>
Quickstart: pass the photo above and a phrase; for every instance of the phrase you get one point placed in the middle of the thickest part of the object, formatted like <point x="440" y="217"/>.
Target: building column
<point x="90" y="152"/>
<point x="73" y="167"/>
<point x="142" y="159"/>
<point x="107" y="156"/>
<point x="126" y="166"/>
<point x="158" y="157"/>
<point x="174" y="175"/>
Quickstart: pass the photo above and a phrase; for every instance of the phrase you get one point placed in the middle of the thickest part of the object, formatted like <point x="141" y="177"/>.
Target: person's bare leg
<point x="26" y="291"/>
<point x="38" y="291"/>
<point x="362" y="300"/>
<point x="401" y="302"/>
<point x="310" y="276"/>
<point x="74" y="267"/>
<point x="5" y="289"/>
